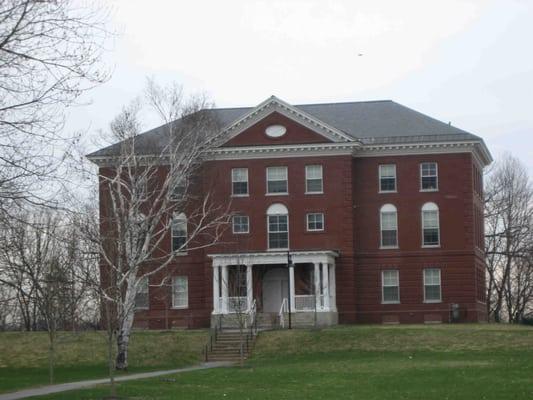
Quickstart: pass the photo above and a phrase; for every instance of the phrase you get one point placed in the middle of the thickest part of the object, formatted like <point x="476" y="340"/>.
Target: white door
<point x="275" y="289"/>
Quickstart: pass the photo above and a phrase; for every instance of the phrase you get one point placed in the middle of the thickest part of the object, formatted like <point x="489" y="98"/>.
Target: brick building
<point x="378" y="206"/>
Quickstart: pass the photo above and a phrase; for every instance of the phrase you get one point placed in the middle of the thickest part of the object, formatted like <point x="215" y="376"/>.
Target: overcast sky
<point x="468" y="62"/>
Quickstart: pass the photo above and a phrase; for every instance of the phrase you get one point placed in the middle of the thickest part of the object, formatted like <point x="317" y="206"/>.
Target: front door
<point x="274" y="289"/>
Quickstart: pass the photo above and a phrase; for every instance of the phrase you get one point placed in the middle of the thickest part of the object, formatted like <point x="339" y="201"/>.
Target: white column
<point x="224" y="289"/>
<point x="317" y="285"/>
<point x="291" y="287"/>
<point x="325" y="285"/>
<point x="332" y="288"/>
<point x="216" y="289"/>
<point x="249" y="286"/>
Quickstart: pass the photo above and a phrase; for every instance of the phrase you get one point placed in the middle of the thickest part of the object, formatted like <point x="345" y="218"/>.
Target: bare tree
<point x="508" y="238"/>
<point x="38" y="259"/>
<point x="50" y="53"/>
<point x="145" y="186"/>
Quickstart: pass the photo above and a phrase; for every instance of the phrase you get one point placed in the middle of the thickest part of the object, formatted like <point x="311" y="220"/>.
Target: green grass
<point x="361" y="362"/>
<point x="24" y="355"/>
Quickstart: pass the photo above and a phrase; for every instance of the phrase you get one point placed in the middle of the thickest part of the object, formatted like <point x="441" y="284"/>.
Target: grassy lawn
<point x="24" y="355"/>
<point x="361" y="362"/>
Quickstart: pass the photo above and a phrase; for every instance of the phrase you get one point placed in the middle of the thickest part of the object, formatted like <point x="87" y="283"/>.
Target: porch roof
<point x="274" y="257"/>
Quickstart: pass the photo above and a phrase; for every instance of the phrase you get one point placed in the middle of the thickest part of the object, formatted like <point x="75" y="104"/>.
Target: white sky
<point x="468" y="62"/>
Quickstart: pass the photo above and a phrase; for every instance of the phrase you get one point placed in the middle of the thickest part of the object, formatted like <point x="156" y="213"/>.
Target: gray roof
<point x="371" y="122"/>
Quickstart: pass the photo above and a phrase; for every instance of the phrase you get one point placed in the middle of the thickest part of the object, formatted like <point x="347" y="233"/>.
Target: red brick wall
<point x="460" y="279"/>
<point x="351" y="204"/>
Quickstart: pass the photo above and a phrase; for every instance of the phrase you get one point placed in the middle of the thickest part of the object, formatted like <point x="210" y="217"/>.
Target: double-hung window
<point x="313" y="179"/>
<point x="179" y="233"/>
<point x="241" y="224"/>
<point x="315" y="222"/>
<point x="180" y="292"/>
<point x="430" y="225"/>
<point x="389" y="226"/>
<point x="278" y="226"/>
<point x="390" y="286"/>
<point x="277" y="180"/>
<point x="142" y="295"/>
<point x="429" y="178"/>
<point x="432" y="286"/>
<point x="387" y="178"/>
<point x="239" y="181"/>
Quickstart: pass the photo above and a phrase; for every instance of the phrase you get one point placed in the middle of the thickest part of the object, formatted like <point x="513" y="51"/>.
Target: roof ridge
<point x="345" y="102"/>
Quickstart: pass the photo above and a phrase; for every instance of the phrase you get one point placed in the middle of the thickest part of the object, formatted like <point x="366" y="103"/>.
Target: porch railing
<point x="308" y="302"/>
<point x="281" y="315"/>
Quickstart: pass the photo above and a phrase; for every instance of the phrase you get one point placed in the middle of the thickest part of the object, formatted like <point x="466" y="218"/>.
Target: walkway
<point x="63" y="387"/>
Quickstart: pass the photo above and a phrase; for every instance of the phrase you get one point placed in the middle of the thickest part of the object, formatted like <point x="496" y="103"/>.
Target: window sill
<point x="181" y="253"/>
<point x="240" y="195"/>
<point x="390" y="302"/>
<point x="388" y="247"/>
<point x="314" y="230"/>
<point x="180" y="307"/>
<point x="141" y="309"/>
<point x="431" y="246"/>
<point x="311" y="193"/>
<point x="432" y="301"/>
<point x="429" y="190"/>
<point x="273" y="250"/>
<point x="387" y="191"/>
<point x="277" y="194"/>
<point x="241" y="233"/>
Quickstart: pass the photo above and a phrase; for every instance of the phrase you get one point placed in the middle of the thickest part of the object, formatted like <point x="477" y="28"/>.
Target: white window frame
<point x="383" y="301"/>
<point x="307" y="178"/>
<point x="395" y="179"/>
<point x="278" y="180"/>
<point x="143" y="284"/>
<point x="247" y="224"/>
<point x="387" y="208"/>
<point x="186" y="278"/>
<point x="274" y="210"/>
<point x="183" y="217"/>
<point x="424" y="285"/>
<point x="436" y="176"/>
<point x="430" y="207"/>
<point x="247" y="194"/>
<point x="307" y="222"/>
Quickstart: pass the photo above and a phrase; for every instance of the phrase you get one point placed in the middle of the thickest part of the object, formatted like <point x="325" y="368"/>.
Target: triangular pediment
<point x="275" y="115"/>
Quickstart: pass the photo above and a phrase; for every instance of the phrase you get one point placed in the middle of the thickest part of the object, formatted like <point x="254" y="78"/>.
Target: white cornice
<point x="477" y="148"/>
<point x="273" y="104"/>
<point x="274" y="257"/>
<point x="294" y="150"/>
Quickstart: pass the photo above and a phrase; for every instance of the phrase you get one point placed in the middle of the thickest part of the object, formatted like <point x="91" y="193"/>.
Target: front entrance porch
<point x="262" y="282"/>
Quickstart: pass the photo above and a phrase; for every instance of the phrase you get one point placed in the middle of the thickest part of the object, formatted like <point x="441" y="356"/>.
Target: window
<point x="277" y="180"/>
<point x="239" y="181"/>
<point x="429" y="176"/>
<point x="390" y="286"/>
<point x="179" y="188"/>
<point x="432" y="289"/>
<point x="241" y="224"/>
<point x="141" y="296"/>
<point x="315" y="222"/>
<point x="430" y="225"/>
<point x="313" y="179"/>
<point x="278" y="226"/>
<point x="180" y="292"/>
<point x="179" y="232"/>
<point x="389" y="226"/>
<point x="387" y="178"/>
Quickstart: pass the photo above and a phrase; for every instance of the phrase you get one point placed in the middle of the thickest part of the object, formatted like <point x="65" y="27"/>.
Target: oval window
<point x="275" y="131"/>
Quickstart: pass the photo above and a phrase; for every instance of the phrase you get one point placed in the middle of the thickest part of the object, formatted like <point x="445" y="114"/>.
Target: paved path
<point x="22" y="394"/>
